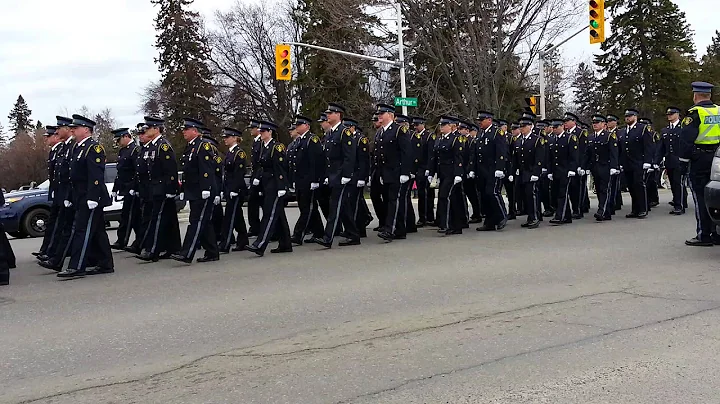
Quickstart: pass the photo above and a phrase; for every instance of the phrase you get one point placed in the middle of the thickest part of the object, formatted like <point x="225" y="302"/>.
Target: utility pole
<point x="541" y="68"/>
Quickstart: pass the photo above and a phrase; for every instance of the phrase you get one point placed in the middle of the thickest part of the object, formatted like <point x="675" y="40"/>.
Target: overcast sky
<point x="58" y="67"/>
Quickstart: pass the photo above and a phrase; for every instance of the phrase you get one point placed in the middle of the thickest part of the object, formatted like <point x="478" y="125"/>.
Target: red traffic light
<point x="284" y="53"/>
<point x="593" y="4"/>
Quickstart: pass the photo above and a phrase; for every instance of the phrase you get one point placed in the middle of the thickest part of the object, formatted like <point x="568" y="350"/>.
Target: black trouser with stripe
<point x="130" y="219"/>
<point x="470" y="188"/>
<point x="410" y="224"/>
<point x="341" y="214"/>
<point x="426" y="200"/>
<point x="562" y="186"/>
<point x="146" y="208"/>
<point x="635" y="177"/>
<point x="532" y="200"/>
<point x="51" y="230"/>
<point x="359" y="208"/>
<point x="309" y="220"/>
<point x="201" y="231"/>
<point x="615" y="194"/>
<point x="254" y="202"/>
<point x="234" y="220"/>
<point x="602" y="178"/>
<point x="546" y="194"/>
<point x="274" y="223"/>
<point x="163" y="232"/>
<point x="491" y="200"/>
<point x="90" y="243"/>
<point x="63" y="239"/>
<point x="376" y="196"/>
<point x="679" y="190"/>
<point x="396" y="220"/>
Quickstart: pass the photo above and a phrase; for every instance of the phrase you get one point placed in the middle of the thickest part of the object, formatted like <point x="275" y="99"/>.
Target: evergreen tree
<point x="554" y="79"/>
<point x="710" y="69"/>
<point x="648" y="61"/>
<point x="39" y="125"/>
<point x="587" y="97"/>
<point x="3" y="140"/>
<point x="186" y="78"/>
<point x="19" y="117"/>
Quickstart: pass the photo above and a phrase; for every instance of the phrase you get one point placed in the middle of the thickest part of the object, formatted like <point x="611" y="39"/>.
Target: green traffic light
<point x="594" y="24"/>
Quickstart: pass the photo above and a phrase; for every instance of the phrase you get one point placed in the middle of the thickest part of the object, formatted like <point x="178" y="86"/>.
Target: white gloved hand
<point x="260" y="194"/>
<point x="517" y="172"/>
<point x="216" y="201"/>
<point x="655" y="166"/>
<point x="646" y="166"/>
<point x="281" y="193"/>
<point x="256" y="182"/>
<point x="621" y="168"/>
<point x="614" y="171"/>
<point x="182" y="196"/>
<point x="169" y="196"/>
<point x="222" y="195"/>
<point x="471" y="174"/>
<point x="429" y="178"/>
<point x="571" y="174"/>
<point x="580" y="171"/>
<point x="511" y="178"/>
<point x="132" y="192"/>
<point x="293" y="186"/>
<point x="458" y="180"/>
<point x="534" y="178"/>
<point x="381" y="181"/>
<point x="412" y="176"/>
<point x="499" y="174"/>
<point x="52" y="194"/>
<point x="550" y="177"/>
<point x="344" y="180"/>
<point x="650" y="170"/>
<point x="427" y="173"/>
<point x="205" y="194"/>
<point x="360" y="183"/>
<point x="544" y="170"/>
<point x="327" y="181"/>
<point x="404" y="179"/>
<point x="233" y="194"/>
<point x="314" y="186"/>
<point x="114" y="194"/>
<point x="67" y="204"/>
<point x="92" y="205"/>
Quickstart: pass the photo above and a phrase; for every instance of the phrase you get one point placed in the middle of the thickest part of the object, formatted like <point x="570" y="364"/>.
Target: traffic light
<point x="597" y="21"/>
<point x="283" y="69"/>
<point x="532" y="103"/>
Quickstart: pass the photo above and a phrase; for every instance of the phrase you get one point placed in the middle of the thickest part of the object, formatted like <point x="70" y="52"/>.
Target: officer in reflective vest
<point x="699" y="139"/>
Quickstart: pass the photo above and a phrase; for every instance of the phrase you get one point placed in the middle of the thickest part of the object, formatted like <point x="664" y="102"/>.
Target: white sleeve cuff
<point x="685" y="160"/>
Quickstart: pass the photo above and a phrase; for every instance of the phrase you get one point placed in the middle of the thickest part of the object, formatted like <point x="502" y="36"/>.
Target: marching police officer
<point x="255" y="201"/>
<point x="7" y="257"/>
<point x="163" y="187"/>
<point x="509" y="183"/>
<point x="90" y="242"/>
<point x="55" y="144"/>
<point x="530" y="161"/>
<point x="447" y="163"/>
<point x="603" y="163"/>
<point x="201" y="190"/>
<point x="409" y="217"/>
<point x="272" y="174"/>
<point x="360" y="177"/>
<point x="142" y="190"/>
<point x="699" y="139"/>
<point x="307" y="169"/>
<point x="235" y="190"/>
<point x="576" y="182"/>
<point x="426" y="194"/>
<point x="469" y="185"/>
<point x="124" y="182"/>
<point x="652" y="179"/>
<point x="639" y="158"/>
<point x="616" y="181"/>
<point x="376" y="189"/>
<point x="488" y="161"/>
<point x="564" y="161"/>
<point x="668" y="149"/>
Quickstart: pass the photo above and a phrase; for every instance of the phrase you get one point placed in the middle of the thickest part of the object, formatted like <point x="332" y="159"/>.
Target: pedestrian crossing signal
<point x="283" y="70"/>
<point x="597" y="21"/>
<point x="532" y="103"/>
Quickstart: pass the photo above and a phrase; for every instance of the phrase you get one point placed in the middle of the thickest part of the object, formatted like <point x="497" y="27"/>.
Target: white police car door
<point x="110" y="174"/>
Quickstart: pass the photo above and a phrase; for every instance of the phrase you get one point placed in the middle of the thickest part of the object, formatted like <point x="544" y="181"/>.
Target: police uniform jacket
<point x="341" y="155"/>
<point x="127" y="160"/>
<point x="582" y="142"/>
<point x="255" y="152"/>
<point x="307" y="161"/>
<point x="143" y="185"/>
<point x="87" y="174"/>
<point x="362" y="160"/>
<point x="55" y="151"/>
<point x="603" y="151"/>
<point x="273" y="167"/>
<point x="62" y="173"/>
<point x="564" y="155"/>
<point x="639" y="146"/>
<point x="468" y="150"/>
<point x="689" y="132"/>
<point x="490" y="152"/>
<point x="669" y="145"/>
<point x="375" y="152"/>
<point x="397" y="156"/>
<point x="199" y="167"/>
<point x="530" y="157"/>
<point x="234" y="169"/>
<point x="427" y="145"/>
<point x="447" y="158"/>
<point x="160" y="158"/>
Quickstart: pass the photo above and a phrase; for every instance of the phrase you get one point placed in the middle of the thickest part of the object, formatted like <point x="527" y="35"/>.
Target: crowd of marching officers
<point x="543" y="165"/>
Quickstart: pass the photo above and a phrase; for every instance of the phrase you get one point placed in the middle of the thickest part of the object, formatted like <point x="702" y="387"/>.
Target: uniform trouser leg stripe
<point x="426" y="185"/>
<point x="498" y="196"/>
<point x="408" y="205"/>
<point x="157" y="227"/>
<point x="397" y="208"/>
<point x="447" y="213"/>
<point x="535" y="202"/>
<point x="51" y="243"/>
<point x="698" y="228"/>
<point x="357" y="205"/>
<point x="310" y="214"/>
<point x="67" y="246"/>
<point x="607" y="197"/>
<point x="269" y="226"/>
<point x="129" y="223"/>
<point x="81" y="262"/>
<point x="231" y="227"/>
<point x="337" y="213"/>
<point x="147" y="229"/>
<point x="199" y="227"/>
<point x="644" y="185"/>
<point x="683" y="190"/>
<point x="567" y="196"/>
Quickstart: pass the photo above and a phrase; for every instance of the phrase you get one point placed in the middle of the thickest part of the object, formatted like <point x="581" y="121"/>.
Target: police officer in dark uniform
<point x="55" y="144"/>
<point x="564" y="161"/>
<point x="426" y="195"/>
<point x="409" y="216"/>
<point x="376" y="188"/>
<point x="576" y="183"/>
<point x="699" y="140"/>
<point x="360" y="177"/>
<point x="217" y="212"/>
<point x="603" y="163"/>
<point x="273" y="168"/>
<point x="509" y="182"/>
<point x="469" y="185"/>
<point x="163" y="184"/>
<point x="235" y="190"/>
<point x="652" y="181"/>
<point x="488" y="160"/>
<point x="668" y="149"/>
<point x="125" y="180"/>
<point x="583" y="141"/>
<point x="616" y="181"/>
<point x="201" y="190"/>
<point x="543" y="129"/>
<point x="255" y="201"/>
<point x="639" y="157"/>
<point x="90" y="242"/>
<point x="7" y="256"/>
<point x="307" y="169"/>
<point x="447" y="163"/>
<point x="142" y="190"/>
<point x="530" y="161"/>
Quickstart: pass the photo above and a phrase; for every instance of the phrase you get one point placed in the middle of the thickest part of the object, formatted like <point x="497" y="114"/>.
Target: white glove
<point x="511" y="178"/>
<point x="499" y="174"/>
<point x="381" y="181"/>
<point x="293" y="186"/>
<point x="534" y="178"/>
<point x="233" y="194"/>
<point x="427" y="173"/>
<point x="132" y="192"/>
<point x="544" y="170"/>
<point x="256" y="182"/>
<point x="580" y="171"/>
<point x="404" y="179"/>
<point x="429" y="178"/>
<point x="327" y="181"/>
<point x="517" y="172"/>
<point x="471" y="174"/>
<point x="550" y="177"/>
<point x="458" y="180"/>
<point x="114" y="194"/>
<point x="360" y="184"/>
<point x="92" y="205"/>
<point x="259" y="193"/>
<point x="281" y="193"/>
<point x="621" y="168"/>
<point x="67" y="204"/>
<point x="205" y="194"/>
<point x="651" y="170"/>
<point x="344" y="180"/>
<point x="412" y="176"/>
<point x="655" y="166"/>
<point x="222" y="195"/>
<point x="314" y="186"/>
<point x="614" y="171"/>
<point x="182" y="196"/>
<point x="169" y="196"/>
<point x="52" y="194"/>
<point x="571" y="174"/>
<point x="646" y="166"/>
<point x="216" y="201"/>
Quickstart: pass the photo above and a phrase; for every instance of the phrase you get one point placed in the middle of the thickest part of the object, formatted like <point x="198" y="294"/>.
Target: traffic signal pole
<point x="541" y="68"/>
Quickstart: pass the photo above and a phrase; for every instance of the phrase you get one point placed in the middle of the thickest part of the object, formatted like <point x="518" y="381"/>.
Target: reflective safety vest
<point x="709" y="131"/>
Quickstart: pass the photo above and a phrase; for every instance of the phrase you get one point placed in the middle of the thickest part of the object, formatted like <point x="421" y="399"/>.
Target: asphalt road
<point x="615" y="312"/>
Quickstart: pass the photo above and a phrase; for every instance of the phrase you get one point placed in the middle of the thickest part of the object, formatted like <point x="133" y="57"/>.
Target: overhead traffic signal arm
<point x="597" y="21"/>
<point x="283" y="67"/>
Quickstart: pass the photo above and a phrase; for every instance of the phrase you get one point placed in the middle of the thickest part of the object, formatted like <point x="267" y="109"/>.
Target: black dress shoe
<point x="548" y="213"/>
<point x="146" y="256"/>
<point x="310" y="240"/>
<point x="181" y="258"/>
<point x="403" y="237"/>
<point x="533" y="225"/>
<point x="695" y="242"/>
<point x="654" y="204"/>
<point x="420" y="224"/>
<point x="631" y="215"/>
<point x="678" y="212"/>
<point x="642" y="215"/>
<point x="349" y="242"/>
<point x="322" y="242"/>
<point x="50" y="265"/>
<point x="296" y="240"/>
<point x="486" y="228"/>
<point x="556" y="221"/>
<point x="117" y="246"/>
<point x="412" y="230"/>
<point x="71" y="273"/>
<point x="379" y="228"/>
<point x="43" y="257"/>
<point x="99" y="271"/>
<point x="166" y="256"/>
<point x="255" y="250"/>
<point x="671" y="204"/>
<point x="386" y="236"/>
<point x="577" y="216"/>
<point x="512" y="217"/>
<point x="501" y="225"/>
<point x="453" y="232"/>
<point x="598" y="217"/>
<point x="475" y="220"/>
<point x="524" y="225"/>
<point x="208" y="259"/>
<point x="442" y="230"/>
<point x="37" y="254"/>
<point x="240" y="248"/>
<point x="133" y="250"/>
<point x="281" y="250"/>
